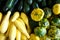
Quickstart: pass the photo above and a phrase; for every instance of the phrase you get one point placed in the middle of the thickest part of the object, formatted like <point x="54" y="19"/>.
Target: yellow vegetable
<point x="12" y="32"/>
<point x="37" y="14"/>
<point x="2" y="37"/>
<point x="23" y="37"/>
<point x="18" y="35"/>
<point x="21" y="26"/>
<point x="34" y="37"/>
<point x="25" y="19"/>
<point x="14" y="17"/>
<point x="56" y="9"/>
<point x="8" y="30"/>
<point x="0" y="16"/>
<point x="45" y="38"/>
<point x="5" y="22"/>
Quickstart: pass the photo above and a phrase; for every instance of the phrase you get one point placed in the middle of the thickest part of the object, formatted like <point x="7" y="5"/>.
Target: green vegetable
<point x="29" y="1"/>
<point x="35" y="5"/>
<point x="49" y="3"/>
<point x="26" y="7"/>
<point x="10" y="4"/>
<point x="38" y="0"/>
<point x="20" y="5"/>
<point x="56" y="1"/>
<point x="40" y="31"/>
<point x="54" y="32"/>
<point x="44" y="23"/>
<point x="56" y="21"/>
<point x="32" y="24"/>
<point x="43" y="3"/>
<point x="48" y="12"/>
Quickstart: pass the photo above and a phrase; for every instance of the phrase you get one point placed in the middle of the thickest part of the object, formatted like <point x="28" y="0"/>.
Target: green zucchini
<point x="43" y="3"/>
<point x="38" y="0"/>
<point x="9" y="4"/>
<point x="35" y="5"/>
<point x="29" y="1"/>
<point x="26" y="7"/>
<point x="20" y="5"/>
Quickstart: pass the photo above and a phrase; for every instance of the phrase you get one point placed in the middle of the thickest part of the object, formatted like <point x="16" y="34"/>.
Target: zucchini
<point x="26" y="7"/>
<point x="35" y="5"/>
<point x="29" y="1"/>
<point x="38" y="0"/>
<point x="43" y="3"/>
<point x="20" y="5"/>
<point x="49" y="3"/>
<point x="9" y="4"/>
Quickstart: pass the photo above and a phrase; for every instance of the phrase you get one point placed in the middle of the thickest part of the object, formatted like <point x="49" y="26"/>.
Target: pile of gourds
<point x="29" y="19"/>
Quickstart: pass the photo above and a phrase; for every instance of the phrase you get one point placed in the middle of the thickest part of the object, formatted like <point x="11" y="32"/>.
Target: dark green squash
<point x="9" y="4"/>
<point x="48" y="12"/>
<point x="43" y="3"/>
<point x="44" y="23"/>
<point x="40" y="31"/>
<point x="56" y="21"/>
<point x="32" y="24"/>
<point x="53" y="32"/>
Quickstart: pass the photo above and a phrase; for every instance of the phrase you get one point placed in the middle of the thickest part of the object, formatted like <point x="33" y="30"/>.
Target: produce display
<point x="29" y="19"/>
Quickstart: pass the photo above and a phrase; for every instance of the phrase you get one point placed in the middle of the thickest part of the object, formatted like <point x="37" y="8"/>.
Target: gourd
<point x="37" y="14"/>
<point x="40" y="31"/>
<point x="47" y="12"/>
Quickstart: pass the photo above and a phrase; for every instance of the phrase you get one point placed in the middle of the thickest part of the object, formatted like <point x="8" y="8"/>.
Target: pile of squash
<point x="29" y="19"/>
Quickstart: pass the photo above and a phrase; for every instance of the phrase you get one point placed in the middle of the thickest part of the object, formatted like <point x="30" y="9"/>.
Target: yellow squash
<point x="2" y="37"/>
<point x="12" y="32"/>
<point x="34" y="37"/>
<point x="26" y="21"/>
<point x="23" y="37"/>
<point x="1" y="16"/>
<point x="18" y="35"/>
<point x="14" y="17"/>
<point x="21" y="26"/>
<point x="37" y="14"/>
<point x="5" y="22"/>
<point x="56" y="9"/>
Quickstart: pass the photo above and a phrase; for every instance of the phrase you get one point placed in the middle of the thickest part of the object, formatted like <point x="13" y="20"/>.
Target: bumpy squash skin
<point x="48" y="12"/>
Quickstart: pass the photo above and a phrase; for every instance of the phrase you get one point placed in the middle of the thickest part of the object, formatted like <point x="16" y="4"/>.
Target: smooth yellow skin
<point x="2" y="37"/>
<point x="34" y="37"/>
<point x="15" y="16"/>
<point x="26" y="21"/>
<point x="5" y="22"/>
<point x="12" y="32"/>
<point x="37" y="14"/>
<point x="21" y="27"/>
<point x="23" y="37"/>
<point x="18" y="35"/>
<point x="56" y="9"/>
<point x="1" y="16"/>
